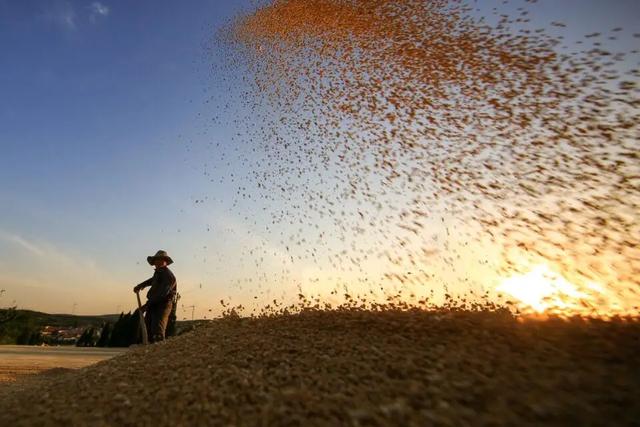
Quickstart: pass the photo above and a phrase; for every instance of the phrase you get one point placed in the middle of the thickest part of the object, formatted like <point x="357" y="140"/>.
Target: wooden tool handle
<point x="143" y="326"/>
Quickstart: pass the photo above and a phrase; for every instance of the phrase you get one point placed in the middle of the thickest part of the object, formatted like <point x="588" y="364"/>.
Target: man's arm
<point x="142" y="285"/>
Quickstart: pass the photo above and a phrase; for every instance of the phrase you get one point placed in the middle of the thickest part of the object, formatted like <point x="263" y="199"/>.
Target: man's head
<point x="160" y="259"/>
<point x="159" y="263"/>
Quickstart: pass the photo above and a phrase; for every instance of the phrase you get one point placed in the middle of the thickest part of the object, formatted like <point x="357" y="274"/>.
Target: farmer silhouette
<point x="160" y="298"/>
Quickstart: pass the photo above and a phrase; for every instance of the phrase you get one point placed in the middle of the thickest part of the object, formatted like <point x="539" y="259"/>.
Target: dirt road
<point x="16" y="360"/>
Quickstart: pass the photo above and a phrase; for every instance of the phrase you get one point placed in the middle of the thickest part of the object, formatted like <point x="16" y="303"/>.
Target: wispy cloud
<point x="42" y="250"/>
<point x="23" y="243"/>
<point x="97" y="10"/>
<point x="42" y="275"/>
<point x="61" y="14"/>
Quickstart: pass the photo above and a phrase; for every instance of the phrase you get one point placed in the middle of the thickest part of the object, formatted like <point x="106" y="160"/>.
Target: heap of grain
<point x="354" y="367"/>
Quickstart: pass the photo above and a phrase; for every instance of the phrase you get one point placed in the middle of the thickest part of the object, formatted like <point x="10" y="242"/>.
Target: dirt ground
<point x="355" y="368"/>
<point x="17" y="360"/>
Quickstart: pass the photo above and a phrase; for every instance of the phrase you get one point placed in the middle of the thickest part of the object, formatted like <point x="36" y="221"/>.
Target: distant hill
<point x="66" y="319"/>
<point x="28" y="320"/>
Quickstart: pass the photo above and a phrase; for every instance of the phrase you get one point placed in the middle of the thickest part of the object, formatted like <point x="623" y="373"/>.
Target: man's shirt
<point x="163" y="286"/>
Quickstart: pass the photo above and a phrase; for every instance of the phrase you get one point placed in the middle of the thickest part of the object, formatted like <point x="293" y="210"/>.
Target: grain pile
<point x="376" y="125"/>
<point x="354" y="367"/>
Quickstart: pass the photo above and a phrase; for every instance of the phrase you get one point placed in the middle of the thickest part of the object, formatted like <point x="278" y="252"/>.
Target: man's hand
<point x="137" y="288"/>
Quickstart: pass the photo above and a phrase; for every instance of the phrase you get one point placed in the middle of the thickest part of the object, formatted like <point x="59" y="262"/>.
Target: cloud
<point x="97" y="10"/>
<point x="43" y="251"/>
<point x="17" y="240"/>
<point x="44" y="276"/>
<point x="61" y="14"/>
<point x="68" y="20"/>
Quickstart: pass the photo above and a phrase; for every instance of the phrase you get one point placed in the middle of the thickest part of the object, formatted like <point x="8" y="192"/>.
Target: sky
<point x="96" y="97"/>
<point x="105" y="137"/>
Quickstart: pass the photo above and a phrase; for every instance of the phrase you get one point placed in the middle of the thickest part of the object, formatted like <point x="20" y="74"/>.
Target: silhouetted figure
<point x="160" y="298"/>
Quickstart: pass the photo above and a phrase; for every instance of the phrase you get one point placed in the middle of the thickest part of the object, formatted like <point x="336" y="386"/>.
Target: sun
<point x="543" y="291"/>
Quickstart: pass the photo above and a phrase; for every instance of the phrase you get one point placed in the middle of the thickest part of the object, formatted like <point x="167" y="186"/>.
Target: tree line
<point x="123" y="333"/>
<point x="19" y="328"/>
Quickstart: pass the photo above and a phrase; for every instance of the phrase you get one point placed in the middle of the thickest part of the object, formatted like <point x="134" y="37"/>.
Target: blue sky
<point x="96" y="99"/>
<point x="103" y="141"/>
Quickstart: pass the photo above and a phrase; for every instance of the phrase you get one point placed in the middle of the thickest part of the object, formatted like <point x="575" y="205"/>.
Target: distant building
<point x="62" y="334"/>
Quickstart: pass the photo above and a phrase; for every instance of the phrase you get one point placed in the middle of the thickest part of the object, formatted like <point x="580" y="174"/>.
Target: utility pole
<point x="73" y="309"/>
<point x="193" y="309"/>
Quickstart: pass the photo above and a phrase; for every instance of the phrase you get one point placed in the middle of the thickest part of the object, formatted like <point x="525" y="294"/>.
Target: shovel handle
<point x="143" y="326"/>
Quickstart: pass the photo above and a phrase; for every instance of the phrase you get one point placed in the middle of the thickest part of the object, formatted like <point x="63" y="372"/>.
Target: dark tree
<point x="24" y="337"/>
<point x="115" y="340"/>
<point x="105" y="335"/>
<point x="87" y="339"/>
<point x="134" y="333"/>
<point x="35" y="338"/>
<point x="6" y="316"/>
<point x="125" y="331"/>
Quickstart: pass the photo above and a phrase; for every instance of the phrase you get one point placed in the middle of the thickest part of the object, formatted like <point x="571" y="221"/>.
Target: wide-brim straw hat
<point x="159" y="255"/>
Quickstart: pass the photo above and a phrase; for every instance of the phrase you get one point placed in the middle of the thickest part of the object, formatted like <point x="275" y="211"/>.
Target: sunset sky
<point x="105" y="134"/>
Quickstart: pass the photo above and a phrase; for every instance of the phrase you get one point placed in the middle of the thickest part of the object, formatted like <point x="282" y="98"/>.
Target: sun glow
<point x="542" y="291"/>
